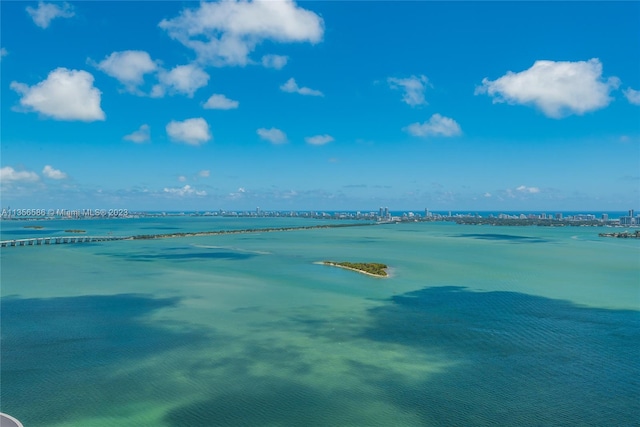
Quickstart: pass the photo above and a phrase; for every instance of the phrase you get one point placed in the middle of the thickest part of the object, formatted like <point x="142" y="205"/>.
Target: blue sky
<point x="320" y="105"/>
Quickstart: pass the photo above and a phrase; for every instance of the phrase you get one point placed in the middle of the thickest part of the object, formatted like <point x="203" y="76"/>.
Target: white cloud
<point x="633" y="96"/>
<point x="292" y="87"/>
<point x="182" y="178"/>
<point x="128" y="66"/>
<point x="64" y="95"/>
<point x="557" y="88"/>
<point x="191" y="131"/>
<point x="47" y="12"/>
<point x="204" y="174"/>
<point x="226" y="32"/>
<point x="52" y="173"/>
<point x="487" y="195"/>
<point x="141" y="135"/>
<point x="220" y="102"/>
<point x="319" y="139"/>
<point x="185" y="79"/>
<point x="530" y="190"/>
<point x="9" y="174"/>
<point x="274" y="61"/>
<point x="413" y="87"/>
<point x="436" y="126"/>
<point x="3" y="52"/>
<point x="187" y="190"/>
<point x="238" y="194"/>
<point x="273" y="135"/>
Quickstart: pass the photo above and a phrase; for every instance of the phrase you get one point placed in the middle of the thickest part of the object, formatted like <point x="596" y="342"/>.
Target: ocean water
<point x="476" y="325"/>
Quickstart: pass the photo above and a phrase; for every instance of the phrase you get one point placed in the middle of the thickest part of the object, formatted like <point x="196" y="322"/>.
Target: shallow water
<point x="477" y="325"/>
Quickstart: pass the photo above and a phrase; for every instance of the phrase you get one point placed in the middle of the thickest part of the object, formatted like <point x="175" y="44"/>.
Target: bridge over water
<point x="59" y="240"/>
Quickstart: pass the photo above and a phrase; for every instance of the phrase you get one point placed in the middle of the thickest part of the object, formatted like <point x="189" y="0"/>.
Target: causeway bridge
<point x="59" y="240"/>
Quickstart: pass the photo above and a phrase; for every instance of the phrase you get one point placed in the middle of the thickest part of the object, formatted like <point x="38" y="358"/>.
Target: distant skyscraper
<point x="627" y="220"/>
<point x="605" y="217"/>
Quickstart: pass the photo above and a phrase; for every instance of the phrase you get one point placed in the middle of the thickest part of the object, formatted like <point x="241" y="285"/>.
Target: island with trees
<point x="370" y="268"/>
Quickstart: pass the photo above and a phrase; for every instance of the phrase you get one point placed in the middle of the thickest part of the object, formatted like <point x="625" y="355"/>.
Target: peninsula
<point x="371" y="268"/>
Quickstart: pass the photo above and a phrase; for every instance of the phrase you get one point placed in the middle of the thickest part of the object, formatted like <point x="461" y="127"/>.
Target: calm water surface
<point x="477" y="325"/>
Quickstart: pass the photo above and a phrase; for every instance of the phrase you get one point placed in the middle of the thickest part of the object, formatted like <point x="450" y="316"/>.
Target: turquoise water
<point x="477" y="325"/>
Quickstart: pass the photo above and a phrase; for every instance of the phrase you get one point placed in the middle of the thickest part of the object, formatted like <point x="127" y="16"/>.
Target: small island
<point x="371" y="268"/>
<point x="74" y="231"/>
<point x="622" y="235"/>
<point x="35" y="227"/>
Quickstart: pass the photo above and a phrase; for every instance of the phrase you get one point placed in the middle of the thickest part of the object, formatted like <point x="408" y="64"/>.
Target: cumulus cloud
<point x="274" y="61"/>
<point x="3" y="52"/>
<point x="558" y="89"/>
<point x="319" y="139"/>
<point x="530" y="190"/>
<point x="226" y="32"/>
<point x="273" y="135"/>
<point x="414" y="88"/>
<point x="64" y="95"/>
<point x="185" y="79"/>
<point x="9" y="175"/>
<point x="47" y="12"/>
<point x="191" y="131"/>
<point x="220" y="102"/>
<point x="437" y="125"/>
<point x="52" y="173"/>
<point x="187" y="190"/>
<point x="128" y="66"/>
<point x="204" y="173"/>
<point x="182" y="178"/>
<point x="292" y="87"/>
<point x="633" y="96"/>
<point x="143" y="134"/>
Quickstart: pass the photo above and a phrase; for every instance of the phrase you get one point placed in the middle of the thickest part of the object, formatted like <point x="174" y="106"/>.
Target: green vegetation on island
<point x="372" y="268"/>
<point x="245" y="231"/>
<point x="35" y="227"/>
<point x="74" y="231"/>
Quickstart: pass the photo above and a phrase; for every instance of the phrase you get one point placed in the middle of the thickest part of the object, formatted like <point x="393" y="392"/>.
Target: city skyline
<point x="321" y="105"/>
